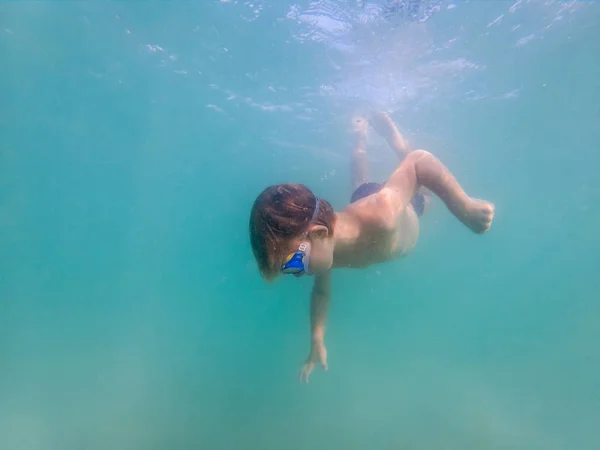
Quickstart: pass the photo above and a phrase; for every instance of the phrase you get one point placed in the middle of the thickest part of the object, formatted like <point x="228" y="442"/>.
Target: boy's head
<point x="282" y="220"/>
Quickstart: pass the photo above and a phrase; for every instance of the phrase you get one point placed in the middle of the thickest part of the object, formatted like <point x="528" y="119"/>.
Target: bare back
<point x="382" y="233"/>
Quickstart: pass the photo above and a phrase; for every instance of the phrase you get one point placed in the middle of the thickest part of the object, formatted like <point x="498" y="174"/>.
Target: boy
<point x="294" y="232"/>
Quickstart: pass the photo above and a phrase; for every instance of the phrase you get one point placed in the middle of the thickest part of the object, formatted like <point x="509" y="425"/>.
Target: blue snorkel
<point x="297" y="263"/>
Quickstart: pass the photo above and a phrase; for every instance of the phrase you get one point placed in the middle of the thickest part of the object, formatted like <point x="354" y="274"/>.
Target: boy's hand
<point x="318" y="354"/>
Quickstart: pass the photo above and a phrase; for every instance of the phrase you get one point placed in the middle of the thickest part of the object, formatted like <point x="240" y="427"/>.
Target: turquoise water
<point x="134" y="137"/>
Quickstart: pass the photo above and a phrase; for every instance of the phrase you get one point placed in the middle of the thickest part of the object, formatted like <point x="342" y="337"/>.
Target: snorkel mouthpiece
<point x="297" y="263"/>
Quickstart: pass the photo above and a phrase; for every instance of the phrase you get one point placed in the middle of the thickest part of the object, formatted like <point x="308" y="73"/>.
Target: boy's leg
<point x="360" y="163"/>
<point x="385" y="127"/>
<point x="421" y="168"/>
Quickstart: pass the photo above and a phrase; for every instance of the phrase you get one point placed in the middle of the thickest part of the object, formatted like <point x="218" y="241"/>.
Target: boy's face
<point x="318" y="253"/>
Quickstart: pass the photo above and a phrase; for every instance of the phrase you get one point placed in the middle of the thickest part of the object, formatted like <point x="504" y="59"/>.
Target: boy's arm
<point x="319" y="307"/>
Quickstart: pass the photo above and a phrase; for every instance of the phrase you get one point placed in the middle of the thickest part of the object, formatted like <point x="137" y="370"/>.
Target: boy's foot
<point x="383" y="124"/>
<point x="360" y="126"/>
<point x="385" y="127"/>
<point x="478" y="215"/>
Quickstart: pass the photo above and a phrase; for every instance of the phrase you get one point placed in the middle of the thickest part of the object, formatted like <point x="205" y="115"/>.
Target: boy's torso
<point x="382" y="233"/>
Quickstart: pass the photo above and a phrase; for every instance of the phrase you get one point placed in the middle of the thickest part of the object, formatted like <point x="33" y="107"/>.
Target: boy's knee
<point x="419" y="154"/>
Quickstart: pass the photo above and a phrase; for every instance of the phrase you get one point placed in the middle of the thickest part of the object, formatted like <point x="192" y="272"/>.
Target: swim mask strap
<point x="315" y="214"/>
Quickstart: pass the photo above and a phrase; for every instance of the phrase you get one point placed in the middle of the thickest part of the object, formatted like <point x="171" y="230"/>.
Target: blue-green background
<point x="132" y="315"/>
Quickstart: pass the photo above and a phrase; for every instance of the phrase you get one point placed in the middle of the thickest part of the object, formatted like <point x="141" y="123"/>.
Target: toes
<point x="480" y="216"/>
<point x="489" y="215"/>
<point x="359" y="124"/>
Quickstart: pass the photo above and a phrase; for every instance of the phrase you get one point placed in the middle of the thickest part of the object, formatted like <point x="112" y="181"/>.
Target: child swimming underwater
<point x="294" y="232"/>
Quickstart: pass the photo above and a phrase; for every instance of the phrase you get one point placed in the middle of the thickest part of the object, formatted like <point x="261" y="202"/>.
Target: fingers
<point x="305" y="373"/>
<point x="323" y="358"/>
<point x="324" y="362"/>
<point x="310" y="365"/>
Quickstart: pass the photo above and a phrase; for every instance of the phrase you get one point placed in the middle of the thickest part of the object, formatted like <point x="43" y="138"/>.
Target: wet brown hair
<point x="280" y="213"/>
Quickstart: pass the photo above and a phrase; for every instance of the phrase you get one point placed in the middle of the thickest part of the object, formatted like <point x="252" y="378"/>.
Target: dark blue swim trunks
<point x="366" y="189"/>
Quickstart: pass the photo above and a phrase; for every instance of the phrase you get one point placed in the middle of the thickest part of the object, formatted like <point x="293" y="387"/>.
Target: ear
<point x="318" y="232"/>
